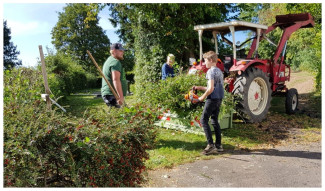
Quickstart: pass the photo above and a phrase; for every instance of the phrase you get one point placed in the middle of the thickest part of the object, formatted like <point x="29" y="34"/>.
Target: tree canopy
<point x="78" y="31"/>
<point x="10" y="51"/>
<point x="154" y="30"/>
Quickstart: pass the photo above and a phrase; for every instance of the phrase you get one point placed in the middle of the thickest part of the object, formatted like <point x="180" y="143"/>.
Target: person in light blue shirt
<point x="167" y="69"/>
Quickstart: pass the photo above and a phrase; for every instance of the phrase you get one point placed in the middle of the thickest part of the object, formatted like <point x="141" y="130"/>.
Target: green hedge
<point x="46" y="148"/>
<point x="66" y="75"/>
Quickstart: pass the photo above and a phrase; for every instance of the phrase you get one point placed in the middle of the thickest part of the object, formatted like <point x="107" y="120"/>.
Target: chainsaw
<point x="192" y="96"/>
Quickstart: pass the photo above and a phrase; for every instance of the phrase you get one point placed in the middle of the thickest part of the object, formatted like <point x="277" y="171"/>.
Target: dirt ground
<point x="302" y="81"/>
<point x="291" y="163"/>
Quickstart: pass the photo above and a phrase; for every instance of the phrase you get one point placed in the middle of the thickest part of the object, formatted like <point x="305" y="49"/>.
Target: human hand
<point x="120" y="101"/>
<point x="201" y="99"/>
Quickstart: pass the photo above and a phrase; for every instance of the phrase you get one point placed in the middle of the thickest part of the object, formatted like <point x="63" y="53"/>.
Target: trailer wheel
<point x="253" y="92"/>
<point x="291" y="101"/>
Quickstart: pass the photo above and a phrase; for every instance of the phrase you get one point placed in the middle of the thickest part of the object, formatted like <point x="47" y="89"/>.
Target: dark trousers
<point x="110" y="101"/>
<point x="211" y="109"/>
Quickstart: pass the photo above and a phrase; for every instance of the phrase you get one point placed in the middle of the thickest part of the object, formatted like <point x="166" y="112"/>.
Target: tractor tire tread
<point x="242" y="84"/>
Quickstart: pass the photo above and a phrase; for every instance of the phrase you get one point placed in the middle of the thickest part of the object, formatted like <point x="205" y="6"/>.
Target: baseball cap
<point x="117" y="46"/>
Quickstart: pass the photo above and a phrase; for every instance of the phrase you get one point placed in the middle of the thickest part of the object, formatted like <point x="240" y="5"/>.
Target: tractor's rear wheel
<point x="254" y="94"/>
<point x="291" y="101"/>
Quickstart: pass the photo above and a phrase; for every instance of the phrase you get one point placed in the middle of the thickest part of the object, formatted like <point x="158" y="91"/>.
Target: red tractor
<point x="254" y="80"/>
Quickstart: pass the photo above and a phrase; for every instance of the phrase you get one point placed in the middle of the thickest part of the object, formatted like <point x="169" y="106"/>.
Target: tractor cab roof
<point x="288" y="23"/>
<point x="224" y="26"/>
<point x="229" y="27"/>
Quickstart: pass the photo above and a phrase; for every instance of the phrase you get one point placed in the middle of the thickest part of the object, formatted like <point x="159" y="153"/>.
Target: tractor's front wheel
<point x="291" y="101"/>
<point x="254" y="94"/>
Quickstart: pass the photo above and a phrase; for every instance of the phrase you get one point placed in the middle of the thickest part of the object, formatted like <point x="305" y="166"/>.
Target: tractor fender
<point x="242" y="65"/>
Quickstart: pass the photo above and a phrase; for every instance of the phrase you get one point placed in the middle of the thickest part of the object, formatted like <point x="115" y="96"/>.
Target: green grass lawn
<point x="79" y="104"/>
<point x="176" y="147"/>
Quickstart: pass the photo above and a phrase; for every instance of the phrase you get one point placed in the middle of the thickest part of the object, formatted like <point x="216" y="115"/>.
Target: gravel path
<point x="283" y="166"/>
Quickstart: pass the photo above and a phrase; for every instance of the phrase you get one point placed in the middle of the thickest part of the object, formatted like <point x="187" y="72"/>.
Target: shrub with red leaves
<point x="46" y="149"/>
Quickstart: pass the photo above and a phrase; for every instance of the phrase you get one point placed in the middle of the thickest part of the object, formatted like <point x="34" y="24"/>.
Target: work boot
<point x="210" y="149"/>
<point x="219" y="148"/>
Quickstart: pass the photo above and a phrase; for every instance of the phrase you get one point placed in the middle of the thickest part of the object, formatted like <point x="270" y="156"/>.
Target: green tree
<point x="154" y="30"/>
<point x="310" y="41"/>
<point x="78" y="31"/>
<point x="10" y="51"/>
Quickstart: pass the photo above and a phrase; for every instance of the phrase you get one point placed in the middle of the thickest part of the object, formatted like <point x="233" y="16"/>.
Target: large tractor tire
<point x="291" y="101"/>
<point x="253" y="91"/>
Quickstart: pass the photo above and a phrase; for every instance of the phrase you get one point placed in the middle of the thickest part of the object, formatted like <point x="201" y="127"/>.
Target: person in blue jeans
<point x="167" y="69"/>
<point x="214" y="93"/>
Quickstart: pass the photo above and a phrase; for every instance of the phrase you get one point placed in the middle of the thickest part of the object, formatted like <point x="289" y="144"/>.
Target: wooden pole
<point x="101" y="73"/>
<point x="47" y="89"/>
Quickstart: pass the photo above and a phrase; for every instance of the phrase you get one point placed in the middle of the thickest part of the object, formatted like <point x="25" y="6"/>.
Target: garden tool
<point x="192" y="97"/>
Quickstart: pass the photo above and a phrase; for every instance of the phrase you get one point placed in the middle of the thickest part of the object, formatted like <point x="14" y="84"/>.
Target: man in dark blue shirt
<point x="167" y="69"/>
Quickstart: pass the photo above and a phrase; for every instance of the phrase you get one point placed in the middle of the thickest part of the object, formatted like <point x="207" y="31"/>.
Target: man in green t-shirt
<point x="115" y="74"/>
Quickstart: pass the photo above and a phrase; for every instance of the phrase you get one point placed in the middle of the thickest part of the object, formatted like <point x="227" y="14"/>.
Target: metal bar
<point x="226" y="40"/>
<point x="251" y="51"/>
<point x="214" y="33"/>
<point x="257" y="42"/>
<point x="284" y="49"/>
<point x="282" y="58"/>
<point x="269" y="40"/>
<point x="200" y="40"/>
<point x="232" y="29"/>
<point x="58" y="105"/>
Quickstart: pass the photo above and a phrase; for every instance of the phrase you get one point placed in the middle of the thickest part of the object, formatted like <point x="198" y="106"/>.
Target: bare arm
<point x="201" y="88"/>
<point x="208" y="90"/>
<point x="118" y="86"/>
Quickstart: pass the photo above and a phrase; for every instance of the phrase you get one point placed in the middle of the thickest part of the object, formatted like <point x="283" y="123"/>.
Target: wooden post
<point x="101" y="73"/>
<point x="47" y="89"/>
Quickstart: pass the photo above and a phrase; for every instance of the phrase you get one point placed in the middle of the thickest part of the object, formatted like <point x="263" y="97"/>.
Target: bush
<point x="46" y="148"/>
<point x="22" y="86"/>
<point x="169" y="94"/>
<point x="66" y="75"/>
<point x="148" y="63"/>
<point x="93" y="81"/>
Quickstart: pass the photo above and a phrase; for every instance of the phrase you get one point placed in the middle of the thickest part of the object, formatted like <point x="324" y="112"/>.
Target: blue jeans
<point x="211" y="109"/>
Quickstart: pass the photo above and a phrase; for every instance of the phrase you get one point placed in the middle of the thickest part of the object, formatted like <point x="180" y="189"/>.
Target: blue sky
<point x="31" y="25"/>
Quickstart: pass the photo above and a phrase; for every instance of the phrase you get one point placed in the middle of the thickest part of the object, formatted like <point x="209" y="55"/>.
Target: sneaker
<point x="210" y="149"/>
<point x="219" y="148"/>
